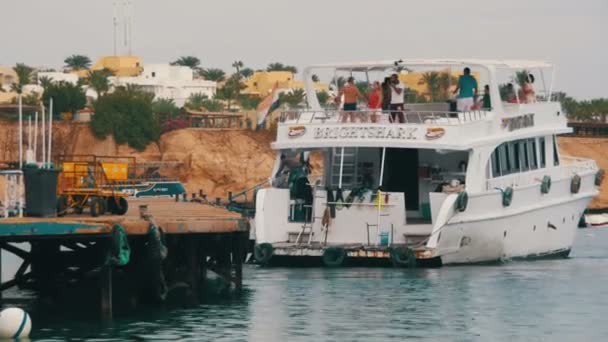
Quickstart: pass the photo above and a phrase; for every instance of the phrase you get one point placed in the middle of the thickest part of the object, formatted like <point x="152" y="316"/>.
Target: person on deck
<point x="375" y="102"/>
<point x="386" y="94"/>
<point x="485" y="100"/>
<point x="396" y="106"/>
<point x="511" y="97"/>
<point x="351" y="95"/>
<point x="527" y="89"/>
<point x="467" y="91"/>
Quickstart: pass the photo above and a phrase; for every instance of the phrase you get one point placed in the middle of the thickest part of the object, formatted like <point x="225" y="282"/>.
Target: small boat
<point x="597" y="220"/>
<point x="152" y="188"/>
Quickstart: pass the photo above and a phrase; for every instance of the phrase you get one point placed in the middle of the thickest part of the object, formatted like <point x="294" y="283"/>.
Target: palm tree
<point x="238" y="86"/>
<point x="237" y="65"/>
<point x="281" y="67"/>
<point x="431" y="79"/>
<point x="24" y="74"/>
<point x="213" y="74"/>
<point x="246" y="72"/>
<point x="45" y="81"/>
<point x="446" y="81"/>
<point x="77" y="62"/>
<point x="196" y="101"/>
<point x="338" y="81"/>
<point x="189" y="61"/>
<point x="275" y="67"/>
<point x="98" y="80"/>
<point x="294" y="98"/>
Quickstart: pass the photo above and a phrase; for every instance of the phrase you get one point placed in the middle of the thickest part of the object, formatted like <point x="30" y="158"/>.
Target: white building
<point x="170" y="82"/>
<point x="58" y="77"/>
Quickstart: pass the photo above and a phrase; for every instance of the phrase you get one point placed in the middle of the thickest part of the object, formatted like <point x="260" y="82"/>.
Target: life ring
<point x="334" y="256"/>
<point x="507" y="196"/>
<point x="575" y="184"/>
<point x="403" y="257"/>
<point x="599" y="177"/>
<point x="263" y="253"/>
<point x="462" y="200"/>
<point x="545" y="185"/>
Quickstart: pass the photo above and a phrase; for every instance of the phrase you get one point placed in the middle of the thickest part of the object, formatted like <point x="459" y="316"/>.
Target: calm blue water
<point x="558" y="300"/>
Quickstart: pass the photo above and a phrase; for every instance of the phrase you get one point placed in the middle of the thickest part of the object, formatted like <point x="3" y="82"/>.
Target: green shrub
<point x="128" y="116"/>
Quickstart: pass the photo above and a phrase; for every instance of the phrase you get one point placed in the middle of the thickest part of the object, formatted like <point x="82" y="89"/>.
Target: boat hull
<point x="541" y="233"/>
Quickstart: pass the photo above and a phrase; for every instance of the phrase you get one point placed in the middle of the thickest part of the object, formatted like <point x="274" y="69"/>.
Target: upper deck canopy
<point x="385" y="64"/>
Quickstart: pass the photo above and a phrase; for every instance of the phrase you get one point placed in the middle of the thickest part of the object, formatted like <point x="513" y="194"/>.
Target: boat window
<point x="532" y="154"/>
<point x="504" y="160"/>
<point x="542" y="151"/>
<point x="555" y="154"/>
<point x="515" y="156"/>
<point x="495" y="164"/>
<point x="523" y="154"/>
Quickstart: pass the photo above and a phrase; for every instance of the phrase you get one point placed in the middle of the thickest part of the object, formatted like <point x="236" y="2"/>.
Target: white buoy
<point x="14" y="323"/>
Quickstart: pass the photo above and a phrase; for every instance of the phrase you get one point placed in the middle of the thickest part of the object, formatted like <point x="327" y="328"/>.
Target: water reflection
<point x="544" y="300"/>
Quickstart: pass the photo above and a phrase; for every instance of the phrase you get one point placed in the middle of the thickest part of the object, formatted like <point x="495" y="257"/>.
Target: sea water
<point x="551" y="300"/>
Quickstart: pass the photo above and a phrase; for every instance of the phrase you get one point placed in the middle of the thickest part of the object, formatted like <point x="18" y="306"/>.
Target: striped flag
<point x="268" y="105"/>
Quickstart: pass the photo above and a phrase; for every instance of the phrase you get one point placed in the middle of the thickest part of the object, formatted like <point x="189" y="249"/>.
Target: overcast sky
<point x="572" y="34"/>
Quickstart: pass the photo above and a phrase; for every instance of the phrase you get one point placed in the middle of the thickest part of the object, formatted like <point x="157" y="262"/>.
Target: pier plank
<point x="173" y="217"/>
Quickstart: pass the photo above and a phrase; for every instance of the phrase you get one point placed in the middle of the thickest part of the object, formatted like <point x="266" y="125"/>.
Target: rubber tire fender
<point x="262" y="253"/>
<point x="507" y="196"/>
<point x="403" y="257"/>
<point x="462" y="201"/>
<point x="575" y="184"/>
<point x="545" y="185"/>
<point x="334" y="256"/>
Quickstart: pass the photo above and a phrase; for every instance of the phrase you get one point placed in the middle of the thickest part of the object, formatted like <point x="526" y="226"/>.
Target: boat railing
<point x="568" y="168"/>
<point x="421" y="117"/>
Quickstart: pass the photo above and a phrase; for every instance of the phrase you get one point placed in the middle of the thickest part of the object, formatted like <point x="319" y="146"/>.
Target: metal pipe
<point x="50" y="131"/>
<point x="35" y="137"/>
<point x="341" y="168"/>
<point x="29" y="132"/>
<point x="382" y="167"/>
<point x="20" y="131"/>
<point x="552" y="83"/>
<point x="43" y="135"/>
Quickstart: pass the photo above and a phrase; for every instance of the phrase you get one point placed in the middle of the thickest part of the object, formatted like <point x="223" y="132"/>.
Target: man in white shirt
<point x="396" y="105"/>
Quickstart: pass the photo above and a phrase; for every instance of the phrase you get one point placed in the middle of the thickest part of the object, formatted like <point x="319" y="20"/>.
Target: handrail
<point x="422" y="117"/>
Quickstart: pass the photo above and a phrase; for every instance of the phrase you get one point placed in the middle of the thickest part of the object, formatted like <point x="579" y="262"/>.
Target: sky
<point x="571" y="34"/>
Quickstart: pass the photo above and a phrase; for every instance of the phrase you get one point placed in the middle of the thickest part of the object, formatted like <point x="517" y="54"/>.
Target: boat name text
<point x="398" y="133"/>
<point x="518" y="122"/>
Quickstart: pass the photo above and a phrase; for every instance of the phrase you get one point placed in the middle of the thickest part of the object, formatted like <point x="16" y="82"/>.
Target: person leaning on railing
<point x="467" y="91"/>
<point x="374" y="102"/>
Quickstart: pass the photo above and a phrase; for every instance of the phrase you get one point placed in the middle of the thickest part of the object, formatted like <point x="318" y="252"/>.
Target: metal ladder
<point x="308" y="225"/>
<point x="349" y="170"/>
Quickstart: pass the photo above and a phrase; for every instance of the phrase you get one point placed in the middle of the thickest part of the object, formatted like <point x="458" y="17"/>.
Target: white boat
<point x="455" y="187"/>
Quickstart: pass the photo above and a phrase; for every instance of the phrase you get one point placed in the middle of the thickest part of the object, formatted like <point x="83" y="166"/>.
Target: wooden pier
<point x="159" y="246"/>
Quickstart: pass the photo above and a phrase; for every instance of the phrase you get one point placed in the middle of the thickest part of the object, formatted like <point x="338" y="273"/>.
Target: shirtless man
<point x="351" y="95"/>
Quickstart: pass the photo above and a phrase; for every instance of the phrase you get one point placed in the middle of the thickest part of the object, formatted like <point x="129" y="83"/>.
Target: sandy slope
<point x="594" y="148"/>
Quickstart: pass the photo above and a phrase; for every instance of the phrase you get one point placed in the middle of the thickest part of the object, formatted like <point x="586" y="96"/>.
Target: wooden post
<point x="106" y="292"/>
<point x="194" y="267"/>
<point x="237" y="260"/>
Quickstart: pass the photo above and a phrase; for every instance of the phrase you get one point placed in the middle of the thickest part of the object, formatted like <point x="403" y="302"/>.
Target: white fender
<point x="445" y="213"/>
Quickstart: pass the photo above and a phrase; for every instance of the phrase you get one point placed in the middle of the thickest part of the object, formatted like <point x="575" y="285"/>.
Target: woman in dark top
<point x="386" y="93"/>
